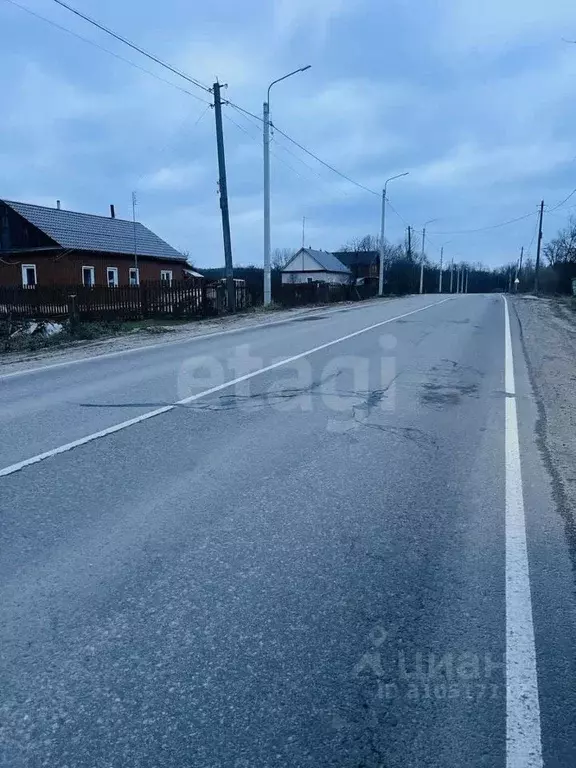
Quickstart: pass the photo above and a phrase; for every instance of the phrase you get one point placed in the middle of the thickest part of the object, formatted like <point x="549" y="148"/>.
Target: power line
<point x="560" y="204"/>
<point x="132" y="45"/>
<point x="327" y="165"/>
<point x="206" y="89"/>
<point x="484" y="229"/>
<point x="389" y="204"/>
<point x="105" y="50"/>
<point x="171" y="138"/>
<point x="533" y="239"/>
<point x="307" y="151"/>
<point x="176" y="71"/>
<point x="279" y="144"/>
<point x="254" y="138"/>
<point x="245" y="111"/>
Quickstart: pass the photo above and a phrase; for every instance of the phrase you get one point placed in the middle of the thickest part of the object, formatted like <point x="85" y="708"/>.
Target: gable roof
<point x="326" y="260"/>
<point x="357" y="258"/>
<point x="86" y="232"/>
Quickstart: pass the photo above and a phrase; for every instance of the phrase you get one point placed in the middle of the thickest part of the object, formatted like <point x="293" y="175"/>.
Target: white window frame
<point x="166" y="276"/>
<point x="114" y="283"/>
<point x="92" y="278"/>
<point x="131" y="272"/>
<point x="24" y="268"/>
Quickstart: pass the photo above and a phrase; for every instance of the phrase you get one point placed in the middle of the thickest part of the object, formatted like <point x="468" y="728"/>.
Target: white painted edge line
<point x="523" y="730"/>
<point x="10" y="470"/>
<point x="168" y="342"/>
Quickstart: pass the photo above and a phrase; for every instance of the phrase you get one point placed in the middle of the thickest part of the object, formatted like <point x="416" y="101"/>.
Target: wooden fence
<point x="297" y="294"/>
<point x="182" y="299"/>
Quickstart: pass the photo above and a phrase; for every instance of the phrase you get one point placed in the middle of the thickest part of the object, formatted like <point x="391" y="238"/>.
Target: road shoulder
<point x="548" y="337"/>
<point x="15" y="362"/>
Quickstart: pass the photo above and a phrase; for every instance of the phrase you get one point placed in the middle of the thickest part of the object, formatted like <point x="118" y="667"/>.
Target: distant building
<point x="50" y="246"/>
<point x="364" y="265"/>
<point x="310" y="266"/>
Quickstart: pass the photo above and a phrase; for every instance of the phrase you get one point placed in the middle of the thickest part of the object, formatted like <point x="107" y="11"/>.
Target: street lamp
<point x="431" y="221"/>
<point x="382" y="227"/>
<point x="266" y="121"/>
<point x="442" y="266"/>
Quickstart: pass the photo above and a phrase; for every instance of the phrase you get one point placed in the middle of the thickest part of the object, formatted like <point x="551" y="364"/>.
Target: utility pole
<point x="303" y="230"/>
<point x="458" y="273"/>
<point x="382" y="230"/>
<point x="537" y="271"/>
<point x="422" y="261"/>
<point x="266" y="126"/>
<point x="267" y="269"/>
<point x="466" y="283"/>
<point x="440" y="276"/>
<point x="137" y="282"/>
<point x="223" y="186"/>
<point x="409" y="242"/>
<point x="452" y="276"/>
<point x="518" y="269"/>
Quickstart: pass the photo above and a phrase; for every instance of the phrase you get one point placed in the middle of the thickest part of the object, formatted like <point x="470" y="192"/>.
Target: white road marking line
<point x="523" y="735"/>
<point x="151" y="414"/>
<point x="189" y="340"/>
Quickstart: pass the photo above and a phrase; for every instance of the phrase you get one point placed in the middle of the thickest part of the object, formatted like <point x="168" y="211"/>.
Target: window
<point x="112" y="277"/>
<point x="166" y="276"/>
<point x="309" y="280"/>
<point x="88" y="276"/>
<point x="134" y="276"/>
<point x="29" y="275"/>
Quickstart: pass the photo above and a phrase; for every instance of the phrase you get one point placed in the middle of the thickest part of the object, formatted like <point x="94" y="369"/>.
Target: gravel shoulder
<point x="548" y="335"/>
<point x="12" y="362"/>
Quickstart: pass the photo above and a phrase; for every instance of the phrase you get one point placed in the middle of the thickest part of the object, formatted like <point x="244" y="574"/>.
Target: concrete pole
<point x="440" y="276"/>
<point x="382" y="231"/>
<point x="267" y="270"/>
<point x="422" y="261"/>
<point x="230" y="287"/>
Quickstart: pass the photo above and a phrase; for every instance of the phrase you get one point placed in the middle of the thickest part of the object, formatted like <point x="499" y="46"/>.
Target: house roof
<point x="86" y="232"/>
<point x="193" y="273"/>
<point x="327" y="261"/>
<point x="357" y="258"/>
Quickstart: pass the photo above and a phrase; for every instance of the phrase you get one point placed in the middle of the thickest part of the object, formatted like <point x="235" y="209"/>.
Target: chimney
<point x="112" y="212"/>
<point x="58" y="205"/>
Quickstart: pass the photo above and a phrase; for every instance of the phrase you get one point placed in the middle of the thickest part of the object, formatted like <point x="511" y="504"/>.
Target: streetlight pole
<point x="266" y="122"/>
<point x="422" y="256"/>
<point x="382" y="228"/>
<point x="440" y="276"/>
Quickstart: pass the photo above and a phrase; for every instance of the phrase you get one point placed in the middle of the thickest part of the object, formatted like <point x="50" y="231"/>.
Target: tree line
<point x="402" y="264"/>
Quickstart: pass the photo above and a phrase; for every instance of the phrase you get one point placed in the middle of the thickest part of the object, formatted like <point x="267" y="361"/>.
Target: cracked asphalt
<point x="303" y="569"/>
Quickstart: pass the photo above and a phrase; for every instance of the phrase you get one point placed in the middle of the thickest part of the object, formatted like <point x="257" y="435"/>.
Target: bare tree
<point x="361" y="244"/>
<point x="562" y="249"/>
<point x="280" y="257"/>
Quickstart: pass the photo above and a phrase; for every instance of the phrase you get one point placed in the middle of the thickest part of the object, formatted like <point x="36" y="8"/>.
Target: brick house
<point x="51" y="246"/>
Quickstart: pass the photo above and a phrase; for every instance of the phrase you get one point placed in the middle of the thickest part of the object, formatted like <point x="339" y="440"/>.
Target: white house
<point x="310" y="266"/>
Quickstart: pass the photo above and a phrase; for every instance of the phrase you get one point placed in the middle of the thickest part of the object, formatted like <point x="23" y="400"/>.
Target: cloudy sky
<point x="477" y="100"/>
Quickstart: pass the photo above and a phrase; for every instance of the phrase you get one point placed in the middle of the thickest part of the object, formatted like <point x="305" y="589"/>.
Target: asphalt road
<point x="331" y="562"/>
